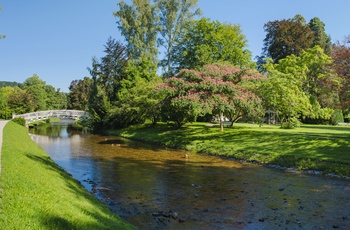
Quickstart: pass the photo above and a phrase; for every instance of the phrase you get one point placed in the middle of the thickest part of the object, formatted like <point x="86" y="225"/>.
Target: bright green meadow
<point x="310" y="147"/>
<point x="38" y="194"/>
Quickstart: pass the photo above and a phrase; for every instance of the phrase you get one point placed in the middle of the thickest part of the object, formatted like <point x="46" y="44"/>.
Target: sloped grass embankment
<point x="310" y="147"/>
<point x="38" y="194"/>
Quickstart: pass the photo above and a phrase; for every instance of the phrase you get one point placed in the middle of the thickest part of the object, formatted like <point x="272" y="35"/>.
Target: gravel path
<point x="2" y="125"/>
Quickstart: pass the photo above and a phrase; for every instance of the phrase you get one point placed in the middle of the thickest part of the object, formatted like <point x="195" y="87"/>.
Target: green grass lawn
<point x="38" y="194"/>
<point x="325" y="148"/>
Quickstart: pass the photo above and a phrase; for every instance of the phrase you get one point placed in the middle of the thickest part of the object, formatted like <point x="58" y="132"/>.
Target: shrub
<point x="20" y="121"/>
<point x="291" y="123"/>
<point x="336" y="117"/>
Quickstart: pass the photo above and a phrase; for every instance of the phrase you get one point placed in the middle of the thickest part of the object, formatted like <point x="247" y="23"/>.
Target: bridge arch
<point x="43" y="115"/>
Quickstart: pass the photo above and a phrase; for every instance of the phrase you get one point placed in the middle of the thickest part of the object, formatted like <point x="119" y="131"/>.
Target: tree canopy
<point x="286" y="37"/>
<point x="205" y="42"/>
<point x="174" y="15"/>
<point x="216" y="89"/>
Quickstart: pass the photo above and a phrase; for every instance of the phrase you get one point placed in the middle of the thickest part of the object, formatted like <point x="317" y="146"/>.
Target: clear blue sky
<point x="57" y="39"/>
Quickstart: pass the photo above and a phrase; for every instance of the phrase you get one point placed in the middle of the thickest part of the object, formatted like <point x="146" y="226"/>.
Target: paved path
<point x="2" y="125"/>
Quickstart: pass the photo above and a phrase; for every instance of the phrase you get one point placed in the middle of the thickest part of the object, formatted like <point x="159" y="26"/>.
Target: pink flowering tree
<point x="219" y="89"/>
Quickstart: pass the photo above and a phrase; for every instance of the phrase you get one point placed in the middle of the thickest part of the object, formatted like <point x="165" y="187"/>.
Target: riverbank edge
<point x="124" y="133"/>
<point x="48" y="197"/>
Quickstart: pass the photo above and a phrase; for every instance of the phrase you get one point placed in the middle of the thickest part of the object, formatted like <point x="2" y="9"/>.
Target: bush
<point x="20" y="121"/>
<point x="291" y="123"/>
<point x="336" y="117"/>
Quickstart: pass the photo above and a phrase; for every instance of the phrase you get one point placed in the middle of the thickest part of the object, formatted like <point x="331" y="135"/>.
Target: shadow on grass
<point x="324" y="127"/>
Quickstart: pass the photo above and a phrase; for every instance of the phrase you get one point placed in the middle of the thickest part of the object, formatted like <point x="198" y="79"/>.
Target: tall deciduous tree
<point x="173" y="17"/>
<point x="138" y="25"/>
<point x="282" y="94"/>
<point x="205" y="42"/>
<point x="297" y="78"/>
<point x="286" y="37"/>
<point x="341" y="57"/>
<point x="36" y="87"/>
<point x="313" y="69"/>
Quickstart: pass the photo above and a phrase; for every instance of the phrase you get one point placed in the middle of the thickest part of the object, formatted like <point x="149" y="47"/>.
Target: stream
<point x="158" y="188"/>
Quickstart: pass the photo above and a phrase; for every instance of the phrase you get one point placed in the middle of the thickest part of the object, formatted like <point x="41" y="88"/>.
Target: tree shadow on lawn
<point x="293" y="150"/>
<point x="102" y="220"/>
<point x="323" y="127"/>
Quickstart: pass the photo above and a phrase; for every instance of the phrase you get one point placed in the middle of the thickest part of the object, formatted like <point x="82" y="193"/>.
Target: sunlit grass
<point x="317" y="147"/>
<point x="38" y="194"/>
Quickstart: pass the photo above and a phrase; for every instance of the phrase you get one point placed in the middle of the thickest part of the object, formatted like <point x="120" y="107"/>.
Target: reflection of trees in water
<point x="54" y="130"/>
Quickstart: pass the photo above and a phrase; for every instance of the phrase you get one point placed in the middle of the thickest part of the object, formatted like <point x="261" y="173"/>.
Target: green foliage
<point x="291" y="123"/>
<point x="121" y="89"/>
<point x="174" y="15"/>
<point x="337" y="117"/>
<point x="282" y="93"/>
<point x="78" y="96"/>
<point x="321" y="38"/>
<point x="138" y="24"/>
<point x="20" y="121"/>
<point x="206" y="42"/>
<point x="302" y="86"/>
<point x="8" y="83"/>
<point x="36" y="87"/>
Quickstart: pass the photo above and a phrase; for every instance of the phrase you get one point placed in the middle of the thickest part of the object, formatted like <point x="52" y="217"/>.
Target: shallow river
<point x="155" y="188"/>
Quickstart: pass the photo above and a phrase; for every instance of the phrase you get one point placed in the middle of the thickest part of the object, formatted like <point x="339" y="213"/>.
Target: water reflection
<point x="156" y="188"/>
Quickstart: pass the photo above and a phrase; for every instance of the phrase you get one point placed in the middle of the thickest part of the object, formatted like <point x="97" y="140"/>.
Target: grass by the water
<point x="316" y="147"/>
<point x="38" y="194"/>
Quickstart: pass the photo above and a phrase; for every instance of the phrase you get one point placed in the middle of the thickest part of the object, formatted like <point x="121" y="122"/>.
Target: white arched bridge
<point x="43" y="115"/>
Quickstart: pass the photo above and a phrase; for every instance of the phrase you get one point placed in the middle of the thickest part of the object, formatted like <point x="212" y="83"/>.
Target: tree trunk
<point x="221" y="121"/>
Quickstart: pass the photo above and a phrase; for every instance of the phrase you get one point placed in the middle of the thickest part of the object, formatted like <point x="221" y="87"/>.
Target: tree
<point x="138" y="24"/>
<point x="282" y="94"/>
<point x="303" y="86"/>
<point x="214" y="89"/>
<point x="286" y="37"/>
<point x="78" y="96"/>
<point x="107" y="75"/>
<point x="206" y="42"/>
<point x="321" y="39"/>
<point x="341" y="57"/>
<point x="14" y="100"/>
<point x="173" y="17"/>
<point x="55" y="98"/>
<point x="109" y="71"/>
<point x="115" y="79"/>
<point x="20" y="101"/>
<point x="36" y="88"/>
<point x="313" y="68"/>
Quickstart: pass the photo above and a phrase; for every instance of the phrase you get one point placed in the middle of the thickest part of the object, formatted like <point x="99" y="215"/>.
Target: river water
<point x="157" y="188"/>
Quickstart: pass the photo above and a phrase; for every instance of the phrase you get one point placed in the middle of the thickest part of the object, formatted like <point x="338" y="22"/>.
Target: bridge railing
<point x="42" y="115"/>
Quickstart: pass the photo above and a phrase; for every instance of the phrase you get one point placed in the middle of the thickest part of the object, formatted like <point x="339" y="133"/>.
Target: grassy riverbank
<point x="324" y="148"/>
<point x="38" y="194"/>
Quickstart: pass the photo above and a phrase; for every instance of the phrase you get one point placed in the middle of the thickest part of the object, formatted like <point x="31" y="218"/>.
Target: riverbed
<point x="158" y="188"/>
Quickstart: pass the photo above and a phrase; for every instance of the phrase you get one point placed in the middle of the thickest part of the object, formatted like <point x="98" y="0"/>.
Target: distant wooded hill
<point x="9" y="83"/>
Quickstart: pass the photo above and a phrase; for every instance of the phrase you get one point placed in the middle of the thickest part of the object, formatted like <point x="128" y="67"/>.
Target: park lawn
<point x="37" y="194"/>
<point x="310" y="147"/>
